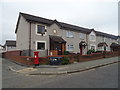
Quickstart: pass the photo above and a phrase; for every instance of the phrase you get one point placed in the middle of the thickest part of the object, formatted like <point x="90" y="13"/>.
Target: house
<point x="1" y="47"/>
<point x="51" y="37"/>
<point x="10" y="45"/>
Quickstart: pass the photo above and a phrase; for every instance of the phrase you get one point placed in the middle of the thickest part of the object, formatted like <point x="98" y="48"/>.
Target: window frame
<point x="69" y="47"/>
<point x="37" y="29"/>
<point x="81" y="36"/>
<point x="68" y="34"/>
<point x="104" y="39"/>
<point x="92" y="38"/>
<point x="40" y="42"/>
<point x="92" y="45"/>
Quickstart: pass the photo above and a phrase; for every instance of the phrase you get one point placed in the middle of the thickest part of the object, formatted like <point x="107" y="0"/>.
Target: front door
<point x="58" y="47"/>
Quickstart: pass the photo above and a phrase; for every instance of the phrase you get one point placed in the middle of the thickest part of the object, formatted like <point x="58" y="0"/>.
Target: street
<point x="104" y="77"/>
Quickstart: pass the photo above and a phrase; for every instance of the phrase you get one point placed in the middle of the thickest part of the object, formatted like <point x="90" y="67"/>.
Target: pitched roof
<point x="33" y="18"/>
<point x="62" y="25"/>
<point x="10" y="43"/>
<point x="106" y="35"/>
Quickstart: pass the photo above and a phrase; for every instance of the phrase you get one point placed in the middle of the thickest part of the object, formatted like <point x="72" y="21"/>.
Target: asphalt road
<point x="105" y="77"/>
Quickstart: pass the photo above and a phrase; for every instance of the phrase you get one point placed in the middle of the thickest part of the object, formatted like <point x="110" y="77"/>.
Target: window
<point x="69" y="34"/>
<point x="81" y="36"/>
<point x="104" y="39"/>
<point x="101" y="48"/>
<point x="93" y="47"/>
<point x="40" y="29"/>
<point x="70" y="47"/>
<point x="92" y="37"/>
<point x="40" y="45"/>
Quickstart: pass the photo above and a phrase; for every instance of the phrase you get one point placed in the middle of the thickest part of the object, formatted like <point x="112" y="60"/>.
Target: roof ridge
<point x="35" y="16"/>
<point x="106" y="33"/>
<point x="74" y="25"/>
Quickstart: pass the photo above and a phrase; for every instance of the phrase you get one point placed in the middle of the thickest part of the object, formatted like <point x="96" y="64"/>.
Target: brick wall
<point x="23" y="60"/>
<point x="9" y="54"/>
<point x="96" y="56"/>
<point x="15" y="56"/>
<point x="90" y="57"/>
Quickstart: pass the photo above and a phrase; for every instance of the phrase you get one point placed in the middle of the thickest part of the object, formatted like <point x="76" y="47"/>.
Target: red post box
<point x="36" y="58"/>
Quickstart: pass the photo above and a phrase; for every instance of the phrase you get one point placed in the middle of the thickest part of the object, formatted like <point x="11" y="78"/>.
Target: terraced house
<point x="51" y="37"/>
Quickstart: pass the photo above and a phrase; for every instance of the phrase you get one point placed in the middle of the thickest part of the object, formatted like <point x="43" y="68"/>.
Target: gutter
<point x="30" y="41"/>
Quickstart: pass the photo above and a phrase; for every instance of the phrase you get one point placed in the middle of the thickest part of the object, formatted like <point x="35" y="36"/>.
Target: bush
<point x="66" y="52"/>
<point x="65" y="60"/>
<point x="98" y="51"/>
<point x="90" y="51"/>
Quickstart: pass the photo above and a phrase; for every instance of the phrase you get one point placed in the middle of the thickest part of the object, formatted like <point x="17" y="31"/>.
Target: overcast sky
<point x="102" y="15"/>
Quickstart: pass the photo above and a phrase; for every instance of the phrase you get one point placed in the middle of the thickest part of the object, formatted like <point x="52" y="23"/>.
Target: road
<point x="105" y="77"/>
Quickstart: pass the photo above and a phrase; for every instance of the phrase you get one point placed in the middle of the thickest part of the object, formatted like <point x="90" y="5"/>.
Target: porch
<point x="57" y="45"/>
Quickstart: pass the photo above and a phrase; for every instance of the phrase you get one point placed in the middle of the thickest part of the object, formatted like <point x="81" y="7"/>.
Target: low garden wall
<point x="16" y="56"/>
<point x="90" y="57"/>
<point x="8" y="54"/>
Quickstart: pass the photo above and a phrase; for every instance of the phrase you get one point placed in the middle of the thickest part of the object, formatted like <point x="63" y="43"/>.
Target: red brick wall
<point x="90" y="57"/>
<point x="9" y="54"/>
<point x="96" y="56"/>
<point x="23" y="59"/>
<point x="15" y="56"/>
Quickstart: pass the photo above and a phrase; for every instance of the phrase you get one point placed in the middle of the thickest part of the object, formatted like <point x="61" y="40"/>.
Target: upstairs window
<point x="92" y="37"/>
<point x="69" y="34"/>
<point x="41" y="29"/>
<point x="104" y="39"/>
<point x="81" y="36"/>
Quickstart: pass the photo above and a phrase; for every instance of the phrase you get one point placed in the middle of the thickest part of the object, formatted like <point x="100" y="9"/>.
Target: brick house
<point x="51" y="37"/>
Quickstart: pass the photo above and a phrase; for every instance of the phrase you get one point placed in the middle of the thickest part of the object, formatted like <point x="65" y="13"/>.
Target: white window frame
<point x="70" y="49"/>
<point x="67" y="34"/>
<point x="41" y="42"/>
<point x="39" y="33"/>
<point x="101" y="48"/>
<point x="104" y="39"/>
<point x="92" y="45"/>
<point x="81" y="35"/>
<point x="91" y="39"/>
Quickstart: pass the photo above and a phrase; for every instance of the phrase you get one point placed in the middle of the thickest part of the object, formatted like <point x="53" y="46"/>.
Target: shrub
<point x="65" y="60"/>
<point x="98" y="51"/>
<point x="90" y="51"/>
<point x="66" y="52"/>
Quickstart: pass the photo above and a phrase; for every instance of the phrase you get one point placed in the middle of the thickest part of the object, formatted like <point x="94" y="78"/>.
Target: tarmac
<point x="64" y="69"/>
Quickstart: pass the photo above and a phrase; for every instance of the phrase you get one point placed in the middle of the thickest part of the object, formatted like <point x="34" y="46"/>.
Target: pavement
<point x="64" y="69"/>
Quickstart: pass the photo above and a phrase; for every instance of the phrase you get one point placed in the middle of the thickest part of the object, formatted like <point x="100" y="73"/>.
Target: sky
<point x="102" y="15"/>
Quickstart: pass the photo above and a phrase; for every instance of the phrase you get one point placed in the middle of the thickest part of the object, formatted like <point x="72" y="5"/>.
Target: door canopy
<point x="114" y="45"/>
<point x="101" y="44"/>
<point x="82" y="44"/>
<point x="57" y="39"/>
